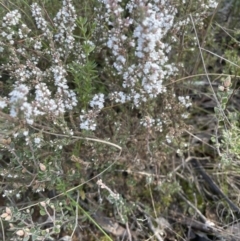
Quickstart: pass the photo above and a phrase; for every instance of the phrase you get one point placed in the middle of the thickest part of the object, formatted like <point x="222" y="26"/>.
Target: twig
<point x="129" y="232"/>
<point x="198" y="75"/>
<point x="154" y="230"/>
<point x="195" y="208"/>
<point x="205" y="70"/>
<point x="3" y="233"/>
<point x="199" y="139"/>
<point x="76" y="218"/>
<point x="220" y="57"/>
<point x="214" y="187"/>
<point x="185" y="162"/>
<point x="80" y="138"/>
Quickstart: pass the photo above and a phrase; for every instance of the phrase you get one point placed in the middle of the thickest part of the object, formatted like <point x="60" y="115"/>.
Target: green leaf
<point x="42" y="212"/>
<point x="27" y="238"/>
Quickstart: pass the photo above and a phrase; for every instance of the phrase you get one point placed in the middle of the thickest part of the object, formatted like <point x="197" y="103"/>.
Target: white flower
<point x="37" y="140"/>
<point x="25" y="133"/>
<point x="88" y="120"/>
<point x="185" y="100"/>
<point x="11" y="19"/>
<point x="3" y="104"/>
<point x="19" y="93"/>
<point x="97" y="101"/>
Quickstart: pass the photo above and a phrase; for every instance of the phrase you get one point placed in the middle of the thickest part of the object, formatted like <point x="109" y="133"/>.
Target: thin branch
<point x="194" y="208"/>
<point x="76" y="218"/>
<point x="205" y="70"/>
<point x="3" y="233"/>
<point x="80" y="138"/>
<point x="206" y="50"/>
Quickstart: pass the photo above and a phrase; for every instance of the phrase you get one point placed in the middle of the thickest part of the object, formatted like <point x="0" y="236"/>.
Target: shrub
<point x="110" y="72"/>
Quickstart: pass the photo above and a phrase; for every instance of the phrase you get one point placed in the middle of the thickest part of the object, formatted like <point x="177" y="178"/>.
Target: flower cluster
<point x="97" y="101"/>
<point x="139" y="53"/>
<point x="39" y="91"/>
<point x="140" y="60"/>
<point x="150" y="122"/>
<point x="88" y="120"/>
<point x="11" y="19"/>
<point x="185" y="101"/>
<point x="118" y="97"/>
<point x="40" y="21"/>
<point x="65" y="24"/>
<point x="144" y="74"/>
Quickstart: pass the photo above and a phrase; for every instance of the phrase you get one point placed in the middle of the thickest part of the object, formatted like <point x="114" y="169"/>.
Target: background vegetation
<point x="118" y="119"/>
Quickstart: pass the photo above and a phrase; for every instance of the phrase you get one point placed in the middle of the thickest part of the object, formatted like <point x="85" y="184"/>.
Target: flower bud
<point x="42" y="167"/>
<point x="8" y="210"/>
<point x="221" y="88"/>
<point x="20" y="232"/>
<point x="227" y="82"/>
